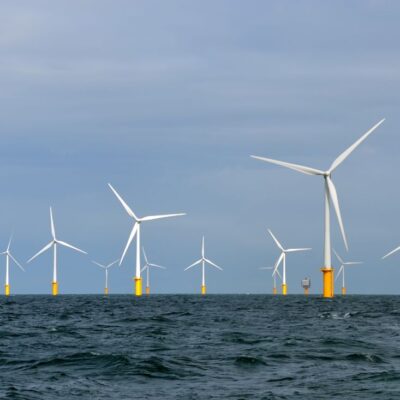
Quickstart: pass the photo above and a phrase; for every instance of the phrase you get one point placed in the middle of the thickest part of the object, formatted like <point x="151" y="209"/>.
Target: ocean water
<point x="189" y="347"/>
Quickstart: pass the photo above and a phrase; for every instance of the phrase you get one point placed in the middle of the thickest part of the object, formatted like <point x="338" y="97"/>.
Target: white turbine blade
<point x="127" y="209"/>
<point x="338" y="257"/>
<point x="157" y="266"/>
<point x="266" y="267"/>
<point x="347" y="152"/>
<point x="16" y="262"/>
<point x="202" y="247"/>
<point x="339" y="272"/>
<point x="41" y="251"/>
<point x="278" y="273"/>
<point x="190" y="266"/>
<point x="100" y="265"/>
<point x="111" y="264"/>
<point x="53" y="230"/>
<point x="295" y="167"/>
<point x="144" y="268"/>
<point x="392" y="252"/>
<point x="154" y="217"/>
<point x="211" y="263"/>
<point x="278" y="261"/>
<point x="353" y="263"/>
<point x="9" y="242"/>
<point x="294" y="250"/>
<point x="335" y="201"/>
<point x="144" y="255"/>
<point x="131" y="236"/>
<point x="275" y="240"/>
<point x="65" y="244"/>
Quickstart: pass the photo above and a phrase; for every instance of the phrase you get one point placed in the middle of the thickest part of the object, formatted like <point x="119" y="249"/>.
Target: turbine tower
<point x="274" y="273"/>
<point x="8" y="255"/>
<point x="330" y="196"/>
<point x="136" y="232"/>
<point x="146" y="268"/>
<point x="203" y="260"/>
<point x="281" y="258"/>
<point x="106" y="268"/>
<point x="54" y="243"/>
<point x="342" y="268"/>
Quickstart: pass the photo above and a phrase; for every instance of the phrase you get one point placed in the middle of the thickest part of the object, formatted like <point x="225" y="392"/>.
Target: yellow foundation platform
<point x="274" y="291"/>
<point x="343" y="291"/>
<point x="327" y="282"/>
<point x="203" y="289"/>
<point x="7" y="290"/>
<point x="284" y="289"/>
<point x="54" y="288"/>
<point x="306" y="291"/>
<point x="106" y="291"/>
<point x="147" y="290"/>
<point x="138" y="286"/>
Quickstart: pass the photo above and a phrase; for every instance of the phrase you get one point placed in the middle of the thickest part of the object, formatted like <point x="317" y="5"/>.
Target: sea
<point x="194" y="347"/>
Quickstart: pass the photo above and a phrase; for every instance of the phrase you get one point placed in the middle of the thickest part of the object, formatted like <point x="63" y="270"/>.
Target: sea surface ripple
<point x="193" y="347"/>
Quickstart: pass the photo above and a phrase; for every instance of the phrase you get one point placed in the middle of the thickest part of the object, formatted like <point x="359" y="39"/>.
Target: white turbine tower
<point x="342" y="268"/>
<point x="106" y="268"/>
<point x="54" y="243"/>
<point x="146" y="268"/>
<point x="281" y="258"/>
<point x="274" y="273"/>
<point x="8" y="255"/>
<point x="203" y="260"/>
<point x="330" y="196"/>
<point x="136" y="231"/>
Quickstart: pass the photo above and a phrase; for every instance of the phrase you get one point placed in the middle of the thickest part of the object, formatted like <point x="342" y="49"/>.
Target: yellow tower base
<point x="7" y="290"/>
<point x="54" y="288"/>
<point x="284" y="289"/>
<point x="203" y="289"/>
<point x="147" y="290"/>
<point x="343" y="291"/>
<point x="138" y="286"/>
<point x="274" y="291"/>
<point x="106" y="291"/>
<point x="306" y="290"/>
<point x="327" y="282"/>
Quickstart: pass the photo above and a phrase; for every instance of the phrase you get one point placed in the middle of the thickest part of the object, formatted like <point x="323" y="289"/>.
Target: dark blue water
<point x="188" y="347"/>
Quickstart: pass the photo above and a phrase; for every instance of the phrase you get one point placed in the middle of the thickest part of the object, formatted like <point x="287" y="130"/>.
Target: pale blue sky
<point x="167" y="100"/>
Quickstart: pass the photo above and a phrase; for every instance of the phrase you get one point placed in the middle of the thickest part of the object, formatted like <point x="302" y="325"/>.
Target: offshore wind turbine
<point x="281" y="258"/>
<point x="136" y="232"/>
<point x="106" y="268"/>
<point x="330" y="196"/>
<point x="54" y="243"/>
<point x="8" y="255"/>
<point x="342" y="268"/>
<point x="274" y="273"/>
<point x="146" y="268"/>
<point x="203" y="261"/>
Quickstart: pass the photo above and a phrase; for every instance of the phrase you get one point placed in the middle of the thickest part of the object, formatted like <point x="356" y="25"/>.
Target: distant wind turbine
<point x="330" y="195"/>
<point x="281" y="258"/>
<point x="146" y="268"/>
<point x="136" y="231"/>
<point x="106" y="268"/>
<point x="203" y="260"/>
<point x="274" y="273"/>
<point x="54" y="243"/>
<point x="342" y="268"/>
<point x="8" y="255"/>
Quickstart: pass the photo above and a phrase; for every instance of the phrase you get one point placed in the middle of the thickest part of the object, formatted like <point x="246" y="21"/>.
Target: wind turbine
<point x="203" y="260"/>
<point x="54" y="243"/>
<point x="281" y="258"/>
<point x="146" y="268"/>
<point x="330" y="196"/>
<point x="274" y="273"/>
<point x="136" y="231"/>
<point x="342" y="268"/>
<point x="8" y="255"/>
<point x="106" y="268"/>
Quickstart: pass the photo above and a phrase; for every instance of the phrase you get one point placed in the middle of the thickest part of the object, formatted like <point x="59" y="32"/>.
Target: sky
<point x="167" y="101"/>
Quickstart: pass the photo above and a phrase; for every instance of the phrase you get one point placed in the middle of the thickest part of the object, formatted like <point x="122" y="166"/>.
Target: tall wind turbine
<point x="106" y="268"/>
<point x="281" y="258"/>
<point x="342" y="268"/>
<point x="274" y="273"/>
<point x="8" y="255"/>
<point x="146" y="268"/>
<point x="54" y="243"/>
<point x="203" y="260"/>
<point x="330" y="196"/>
<point x="136" y="231"/>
